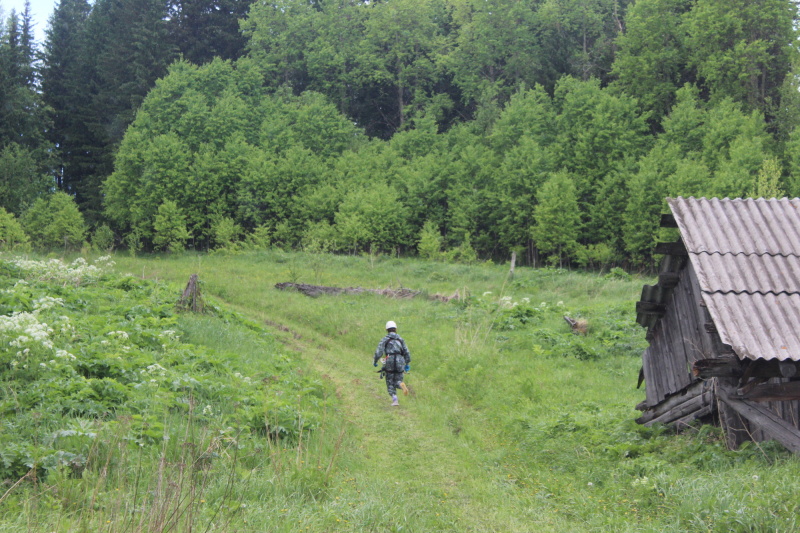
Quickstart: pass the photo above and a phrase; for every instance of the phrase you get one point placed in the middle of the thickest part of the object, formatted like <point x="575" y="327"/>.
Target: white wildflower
<point x="156" y="369"/>
<point x="506" y="302"/>
<point x="65" y="355"/>
<point x="47" y="302"/>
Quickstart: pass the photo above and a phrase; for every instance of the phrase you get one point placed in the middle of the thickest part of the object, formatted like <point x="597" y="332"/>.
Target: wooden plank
<point x="733" y="424"/>
<point x="720" y="367"/>
<point x="774" y="392"/>
<point x="669" y="279"/>
<point x="683" y="410"/>
<point x="773" y="426"/>
<point x="650" y="308"/>
<point x="655" y="377"/>
<point x="691" y="404"/>
<point x="665" y="359"/>
<point x="678" y="341"/>
<point x="731" y="367"/>
<point x="676" y="400"/>
<point x="688" y="329"/>
<point x="685" y="421"/>
<point x="705" y="344"/>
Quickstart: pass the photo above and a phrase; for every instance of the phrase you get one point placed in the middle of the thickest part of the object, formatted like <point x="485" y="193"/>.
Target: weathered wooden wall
<point x="677" y="340"/>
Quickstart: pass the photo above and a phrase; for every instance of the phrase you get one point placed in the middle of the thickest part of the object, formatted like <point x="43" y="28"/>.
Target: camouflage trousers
<point x="393" y="381"/>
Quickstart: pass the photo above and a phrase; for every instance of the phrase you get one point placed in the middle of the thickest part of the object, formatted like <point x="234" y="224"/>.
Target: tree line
<point x="449" y="128"/>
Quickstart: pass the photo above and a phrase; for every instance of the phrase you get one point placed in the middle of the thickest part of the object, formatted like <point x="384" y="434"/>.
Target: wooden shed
<point x="723" y="321"/>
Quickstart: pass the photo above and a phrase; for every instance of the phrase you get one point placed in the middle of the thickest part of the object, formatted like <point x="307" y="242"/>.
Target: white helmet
<point x="391" y="324"/>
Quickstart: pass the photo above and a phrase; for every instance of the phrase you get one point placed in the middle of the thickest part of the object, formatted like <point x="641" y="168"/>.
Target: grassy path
<point x="415" y="454"/>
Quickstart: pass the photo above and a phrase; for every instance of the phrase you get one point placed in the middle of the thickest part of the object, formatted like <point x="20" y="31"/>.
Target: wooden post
<point x="735" y="425"/>
<point x="513" y="262"/>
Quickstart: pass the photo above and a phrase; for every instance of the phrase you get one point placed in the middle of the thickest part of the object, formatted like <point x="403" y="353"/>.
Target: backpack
<point x="395" y="361"/>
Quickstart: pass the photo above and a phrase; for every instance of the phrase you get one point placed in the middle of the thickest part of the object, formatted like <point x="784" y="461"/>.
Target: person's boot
<point x="394" y="400"/>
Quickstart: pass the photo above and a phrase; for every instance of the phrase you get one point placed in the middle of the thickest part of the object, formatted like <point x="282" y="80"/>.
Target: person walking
<point x="398" y="360"/>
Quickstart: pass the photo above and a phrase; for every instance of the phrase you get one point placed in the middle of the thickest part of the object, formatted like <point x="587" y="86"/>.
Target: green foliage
<point x="226" y="232"/>
<point x="103" y="238"/>
<point x="557" y="219"/>
<point x="463" y="253"/>
<point x="170" y="228"/>
<point x="12" y="237"/>
<point x="220" y="147"/>
<point x="651" y="61"/>
<point x="55" y="223"/>
<point x="768" y="183"/>
<point x="430" y="241"/>
<point x="21" y="178"/>
<point x="372" y="215"/>
<point x="259" y="239"/>
<point x="489" y="383"/>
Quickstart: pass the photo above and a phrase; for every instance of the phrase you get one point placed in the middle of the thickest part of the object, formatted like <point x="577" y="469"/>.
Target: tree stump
<point x="191" y="299"/>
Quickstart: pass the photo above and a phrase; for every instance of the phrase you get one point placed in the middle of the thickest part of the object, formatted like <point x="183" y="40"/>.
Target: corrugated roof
<point x="746" y="254"/>
<point x="747" y="273"/>
<point x="760" y="227"/>
<point x="757" y="326"/>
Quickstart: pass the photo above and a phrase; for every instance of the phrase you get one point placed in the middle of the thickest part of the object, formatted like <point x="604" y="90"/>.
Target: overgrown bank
<point x="120" y="414"/>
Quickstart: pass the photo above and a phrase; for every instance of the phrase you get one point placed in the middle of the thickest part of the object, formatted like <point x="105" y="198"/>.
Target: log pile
<point x="318" y="290"/>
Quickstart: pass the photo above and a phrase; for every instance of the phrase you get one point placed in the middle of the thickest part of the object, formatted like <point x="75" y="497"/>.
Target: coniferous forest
<point x="454" y="129"/>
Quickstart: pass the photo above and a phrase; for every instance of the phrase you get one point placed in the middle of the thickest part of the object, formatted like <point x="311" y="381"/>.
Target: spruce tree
<point x="66" y="89"/>
<point x="24" y="152"/>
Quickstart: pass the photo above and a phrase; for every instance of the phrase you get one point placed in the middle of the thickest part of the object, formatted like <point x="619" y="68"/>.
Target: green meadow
<point x="266" y="414"/>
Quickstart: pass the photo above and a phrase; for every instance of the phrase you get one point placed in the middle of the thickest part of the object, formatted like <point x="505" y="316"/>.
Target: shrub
<point x="170" y="228"/>
<point x="463" y="253"/>
<point x="226" y="232"/>
<point x="618" y="274"/>
<point x="103" y="238"/>
<point x="55" y="222"/>
<point x="430" y="241"/>
<point x="12" y="237"/>
<point x="260" y="239"/>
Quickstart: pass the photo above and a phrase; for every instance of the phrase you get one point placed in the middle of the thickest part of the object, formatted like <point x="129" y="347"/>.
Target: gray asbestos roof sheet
<point x="747" y="257"/>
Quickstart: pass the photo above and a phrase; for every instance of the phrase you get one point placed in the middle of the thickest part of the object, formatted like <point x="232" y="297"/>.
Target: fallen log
<point x="318" y="290"/>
